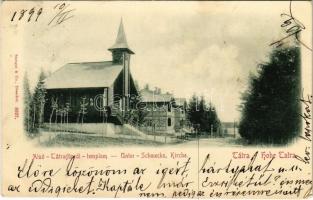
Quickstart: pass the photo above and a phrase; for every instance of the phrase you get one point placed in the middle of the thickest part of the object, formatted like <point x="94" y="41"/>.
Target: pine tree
<point x="193" y="114"/>
<point x="27" y="105"/>
<point x="203" y="117"/>
<point x="271" y="106"/>
<point x="38" y="102"/>
<point x="213" y="118"/>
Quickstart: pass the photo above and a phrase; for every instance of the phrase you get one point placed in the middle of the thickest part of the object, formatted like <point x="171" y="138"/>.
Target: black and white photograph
<point x="134" y="78"/>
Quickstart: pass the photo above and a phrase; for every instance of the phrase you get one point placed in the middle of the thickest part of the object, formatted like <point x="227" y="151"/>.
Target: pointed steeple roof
<point x="121" y="42"/>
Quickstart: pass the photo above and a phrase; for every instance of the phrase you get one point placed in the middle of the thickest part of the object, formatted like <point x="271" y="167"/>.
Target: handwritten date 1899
<point x="20" y="15"/>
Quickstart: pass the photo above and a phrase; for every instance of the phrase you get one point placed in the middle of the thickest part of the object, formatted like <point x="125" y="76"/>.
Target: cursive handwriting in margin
<point x="293" y="28"/>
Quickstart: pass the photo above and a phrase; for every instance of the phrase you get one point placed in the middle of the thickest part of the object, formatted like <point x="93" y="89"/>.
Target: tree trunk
<point x="56" y="117"/>
<point x="28" y="110"/>
<point x="50" y="119"/>
<point x="34" y="117"/>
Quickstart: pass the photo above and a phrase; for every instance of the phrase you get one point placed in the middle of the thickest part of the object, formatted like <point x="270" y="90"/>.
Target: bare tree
<point x="54" y="106"/>
<point x="67" y="110"/>
<point x="83" y="108"/>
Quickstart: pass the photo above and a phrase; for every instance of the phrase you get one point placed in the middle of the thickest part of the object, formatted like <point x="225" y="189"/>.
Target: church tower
<point x="120" y="47"/>
<point x="121" y="55"/>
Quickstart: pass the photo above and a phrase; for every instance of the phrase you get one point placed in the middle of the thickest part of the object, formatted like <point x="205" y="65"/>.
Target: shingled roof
<point x="84" y="75"/>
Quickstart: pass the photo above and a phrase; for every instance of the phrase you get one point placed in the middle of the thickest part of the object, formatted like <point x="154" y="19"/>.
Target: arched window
<point x="169" y="122"/>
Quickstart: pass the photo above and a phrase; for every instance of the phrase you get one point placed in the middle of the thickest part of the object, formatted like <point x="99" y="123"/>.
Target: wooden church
<point x="91" y="92"/>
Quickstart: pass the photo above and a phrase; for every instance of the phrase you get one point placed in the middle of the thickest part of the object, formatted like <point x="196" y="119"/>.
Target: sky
<point x="203" y="48"/>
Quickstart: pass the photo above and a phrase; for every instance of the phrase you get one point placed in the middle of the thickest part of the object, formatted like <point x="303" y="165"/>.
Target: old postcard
<point x="156" y="99"/>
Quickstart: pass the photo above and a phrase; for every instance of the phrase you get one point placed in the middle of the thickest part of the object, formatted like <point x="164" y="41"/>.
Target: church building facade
<point x="92" y="92"/>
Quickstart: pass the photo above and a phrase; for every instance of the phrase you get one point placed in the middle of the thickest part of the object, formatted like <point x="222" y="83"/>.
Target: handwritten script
<point x="64" y="13"/>
<point x="249" y="178"/>
<point x="307" y="120"/>
<point x="293" y="28"/>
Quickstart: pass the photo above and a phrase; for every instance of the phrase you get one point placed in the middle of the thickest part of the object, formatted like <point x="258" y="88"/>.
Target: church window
<point x="169" y="122"/>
